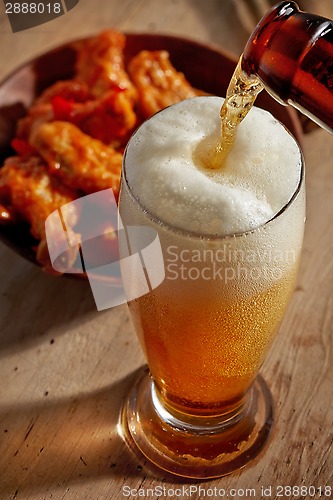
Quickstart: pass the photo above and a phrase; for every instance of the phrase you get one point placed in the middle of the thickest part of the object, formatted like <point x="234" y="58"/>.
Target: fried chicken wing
<point x="158" y="83"/>
<point x="79" y="161"/>
<point x="42" y="111"/>
<point x="71" y="90"/>
<point x="111" y="119"/>
<point x="34" y="194"/>
<point x="37" y="115"/>
<point x="100" y="65"/>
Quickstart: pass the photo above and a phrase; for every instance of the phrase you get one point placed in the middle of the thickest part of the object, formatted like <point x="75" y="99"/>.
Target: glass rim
<point x="211" y="237"/>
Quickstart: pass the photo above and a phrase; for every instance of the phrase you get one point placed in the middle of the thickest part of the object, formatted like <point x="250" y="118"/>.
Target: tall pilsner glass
<point x="202" y="410"/>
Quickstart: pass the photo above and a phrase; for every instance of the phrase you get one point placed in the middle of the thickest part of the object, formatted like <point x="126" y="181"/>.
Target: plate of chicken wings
<point x="66" y="117"/>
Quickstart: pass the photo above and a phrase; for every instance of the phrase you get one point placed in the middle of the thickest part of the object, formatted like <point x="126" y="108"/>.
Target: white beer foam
<point x="165" y="173"/>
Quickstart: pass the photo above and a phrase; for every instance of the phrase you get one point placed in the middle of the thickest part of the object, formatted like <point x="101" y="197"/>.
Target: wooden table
<point x="65" y="368"/>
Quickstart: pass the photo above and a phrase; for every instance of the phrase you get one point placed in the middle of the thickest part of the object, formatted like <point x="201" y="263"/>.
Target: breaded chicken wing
<point x="100" y="65"/>
<point x="158" y="83"/>
<point x="34" y="194"/>
<point x="79" y="161"/>
<point x="71" y="90"/>
<point x="42" y="111"/>
<point x="37" y="115"/>
<point x="110" y="118"/>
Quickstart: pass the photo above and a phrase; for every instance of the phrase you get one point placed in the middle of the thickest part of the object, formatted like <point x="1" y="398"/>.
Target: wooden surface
<point x="65" y="368"/>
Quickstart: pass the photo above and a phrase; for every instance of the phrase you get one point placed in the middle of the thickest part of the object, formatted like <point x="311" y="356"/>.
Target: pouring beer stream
<point x="301" y="77"/>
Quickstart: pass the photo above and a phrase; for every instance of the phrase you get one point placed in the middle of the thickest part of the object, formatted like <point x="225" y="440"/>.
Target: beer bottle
<point x="291" y="52"/>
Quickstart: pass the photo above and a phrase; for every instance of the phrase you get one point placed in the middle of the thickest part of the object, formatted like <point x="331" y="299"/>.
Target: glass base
<point x="200" y="447"/>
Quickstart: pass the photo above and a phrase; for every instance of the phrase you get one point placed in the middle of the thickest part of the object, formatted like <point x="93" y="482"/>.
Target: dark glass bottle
<point x="292" y="53"/>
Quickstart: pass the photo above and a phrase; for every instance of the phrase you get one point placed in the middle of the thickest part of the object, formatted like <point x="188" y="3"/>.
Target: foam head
<point x="166" y="169"/>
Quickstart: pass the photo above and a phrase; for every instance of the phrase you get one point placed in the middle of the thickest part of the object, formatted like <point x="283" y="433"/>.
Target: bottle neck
<point x="255" y="59"/>
<point x="292" y="52"/>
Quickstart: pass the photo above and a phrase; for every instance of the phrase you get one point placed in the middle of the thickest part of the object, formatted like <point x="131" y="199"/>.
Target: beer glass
<point x="202" y="410"/>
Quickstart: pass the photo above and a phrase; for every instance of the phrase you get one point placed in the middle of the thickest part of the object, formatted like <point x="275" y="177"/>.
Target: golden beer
<point x="198" y="354"/>
<point x="206" y="329"/>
